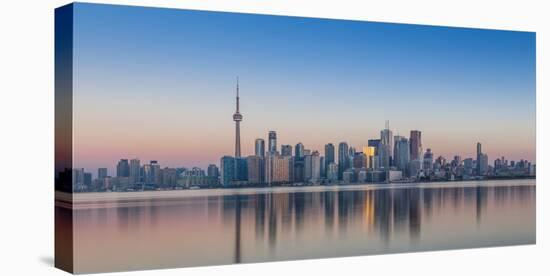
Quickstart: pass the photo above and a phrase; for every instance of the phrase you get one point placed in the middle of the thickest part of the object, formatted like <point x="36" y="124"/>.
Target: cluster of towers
<point x="388" y="158"/>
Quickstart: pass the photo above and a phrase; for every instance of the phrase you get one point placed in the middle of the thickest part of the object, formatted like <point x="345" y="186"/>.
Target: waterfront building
<point x="259" y="147"/>
<point x="312" y="168"/>
<point x="402" y="154"/>
<point x="241" y="170"/>
<point x="213" y="171"/>
<point x="386" y="139"/>
<point x="362" y="175"/>
<point x="156" y="174"/>
<point x="359" y="160"/>
<point x="123" y="168"/>
<point x="256" y="169"/>
<point x="427" y="164"/>
<point x="135" y="171"/>
<point x="278" y="169"/>
<point x="415" y="142"/>
<point x="348" y="176"/>
<point x="102" y="173"/>
<point x="329" y="154"/>
<point x="286" y="150"/>
<point x="272" y="142"/>
<point x="369" y="152"/>
<point x="332" y="172"/>
<point x="227" y="167"/>
<point x="168" y="178"/>
<point x="343" y="159"/>
<point x="299" y="151"/>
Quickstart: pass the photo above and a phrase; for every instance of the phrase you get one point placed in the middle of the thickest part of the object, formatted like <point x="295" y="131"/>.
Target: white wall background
<point x="26" y="134"/>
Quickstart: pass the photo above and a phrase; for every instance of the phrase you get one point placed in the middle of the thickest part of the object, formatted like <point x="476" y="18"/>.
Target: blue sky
<point x="151" y="81"/>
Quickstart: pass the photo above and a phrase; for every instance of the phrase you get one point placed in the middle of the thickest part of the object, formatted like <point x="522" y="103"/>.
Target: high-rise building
<point x="156" y="173"/>
<point x="299" y="150"/>
<point x="123" y="168"/>
<point x="479" y="154"/>
<point x="259" y="147"/>
<point x="241" y="170"/>
<point x="384" y="153"/>
<point x="415" y="143"/>
<point x="427" y="165"/>
<point x="148" y="177"/>
<point x="298" y="169"/>
<point x="374" y="143"/>
<point x="369" y="152"/>
<point x="343" y="159"/>
<point x="312" y="167"/>
<point x="237" y="117"/>
<point x="323" y="167"/>
<point x="102" y="173"/>
<point x="402" y="154"/>
<point x="332" y="172"/>
<point x="227" y="167"/>
<point x="278" y="169"/>
<point x="213" y="171"/>
<point x="286" y="150"/>
<point x="272" y="142"/>
<point x="386" y="139"/>
<point x="483" y="164"/>
<point x="468" y="166"/>
<point x="359" y="160"/>
<point x="329" y="154"/>
<point x="135" y="169"/>
<point x="256" y="169"/>
<point x="87" y="180"/>
<point x="168" y="178"/>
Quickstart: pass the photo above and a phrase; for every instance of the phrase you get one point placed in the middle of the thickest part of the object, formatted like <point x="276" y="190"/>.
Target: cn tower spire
<point x="237" y="94"/>
<point x="237" y="117"/>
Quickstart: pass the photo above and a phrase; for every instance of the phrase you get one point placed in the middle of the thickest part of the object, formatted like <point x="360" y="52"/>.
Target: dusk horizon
<point x="164" y="89"/>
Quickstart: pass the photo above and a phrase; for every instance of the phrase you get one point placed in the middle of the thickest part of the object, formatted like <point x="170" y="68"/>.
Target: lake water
<point x="146" y="230"/>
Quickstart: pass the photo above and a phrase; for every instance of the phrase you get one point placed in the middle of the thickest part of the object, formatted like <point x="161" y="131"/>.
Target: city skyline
<point x="170" y="99"/>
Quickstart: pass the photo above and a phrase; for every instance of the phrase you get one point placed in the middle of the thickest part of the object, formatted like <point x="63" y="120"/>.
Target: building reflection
<point x="273" y="225"/>
<point x="381" y="212"/>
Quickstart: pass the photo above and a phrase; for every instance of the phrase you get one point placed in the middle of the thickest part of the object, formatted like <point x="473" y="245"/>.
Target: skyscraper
<point x="227" y="166"/>
<point x="259" y="147"/>
<point x="237" y="117"/>
<point x="343" y="158"/>
<point x="156" y="173"/>
<point x="102" y="173"/>
<point x="278" y="169"/>
<point x="272" y="142"/>
<point x="213" y="171"/>
<point x="312" y="167"/>
<point x="256" y="169"/>
<point x="329" y="154"/>
<point x="478" y="158"/>
<point x="299" y="151"/>
<point x="369" y="152"/>
<point x="386" y="140"/>
<point x="286" y="150"/>
<point x="402" y="154"/>
<point x="123" y="168"/>
<point x="135" y="169"/>
<point x="416" y="145"/>
<point x="428" y="162"/>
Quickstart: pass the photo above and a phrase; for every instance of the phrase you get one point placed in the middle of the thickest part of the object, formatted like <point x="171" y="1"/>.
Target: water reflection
<point x="223" y="229"/>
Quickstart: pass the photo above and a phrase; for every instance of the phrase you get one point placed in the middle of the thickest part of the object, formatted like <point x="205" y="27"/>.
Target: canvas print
<point x="191" y="138"/>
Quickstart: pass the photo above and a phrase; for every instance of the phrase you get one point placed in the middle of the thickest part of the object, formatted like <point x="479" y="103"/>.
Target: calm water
<point x="188" y="228"/>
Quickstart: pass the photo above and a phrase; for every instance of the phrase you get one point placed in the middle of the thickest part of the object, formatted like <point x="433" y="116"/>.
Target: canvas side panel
<point x="64" y="137"/>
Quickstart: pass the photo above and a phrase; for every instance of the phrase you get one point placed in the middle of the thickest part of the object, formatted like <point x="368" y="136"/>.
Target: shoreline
<point x="98" y="197"/>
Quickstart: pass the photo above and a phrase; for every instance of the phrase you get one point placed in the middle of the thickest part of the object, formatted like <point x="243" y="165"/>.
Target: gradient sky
<point x="159" y="84"/>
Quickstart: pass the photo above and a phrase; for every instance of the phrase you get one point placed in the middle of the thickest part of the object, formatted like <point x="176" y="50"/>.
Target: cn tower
<point x="237" y="117"/>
